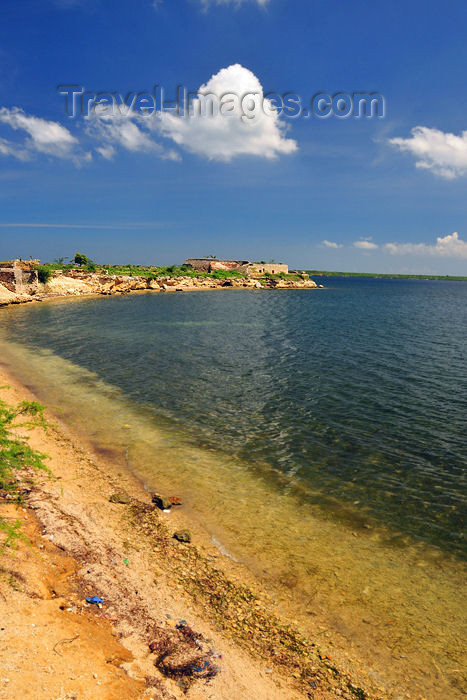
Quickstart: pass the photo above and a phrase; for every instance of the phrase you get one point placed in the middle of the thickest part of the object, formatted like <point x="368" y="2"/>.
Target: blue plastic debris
<point x="200" y="669"/>
<point x="95" y="600"/>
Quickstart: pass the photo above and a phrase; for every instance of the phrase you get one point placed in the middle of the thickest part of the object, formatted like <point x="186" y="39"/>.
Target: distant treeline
<point x="327" y="273"/>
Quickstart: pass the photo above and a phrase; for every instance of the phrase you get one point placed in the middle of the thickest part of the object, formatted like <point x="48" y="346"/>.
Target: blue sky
<point x="349" y="194"/>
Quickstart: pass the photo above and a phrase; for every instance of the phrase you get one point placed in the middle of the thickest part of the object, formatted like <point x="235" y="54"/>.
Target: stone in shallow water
<point x="182" y="535"/>
<point x="120" y="497"/>
<point x="161" y="502"/>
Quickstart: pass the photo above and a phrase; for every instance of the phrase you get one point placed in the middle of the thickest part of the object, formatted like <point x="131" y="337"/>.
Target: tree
<point x="211" y="257"/>
<point x="81" y="259"/>
<point x="60" y="261"/>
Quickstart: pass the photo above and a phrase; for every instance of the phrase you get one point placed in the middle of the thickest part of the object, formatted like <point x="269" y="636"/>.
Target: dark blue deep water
<point x="355" y="396"/>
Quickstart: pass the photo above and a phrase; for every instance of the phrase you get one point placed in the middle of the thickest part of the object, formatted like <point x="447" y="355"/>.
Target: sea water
<point x="318" y="435"/>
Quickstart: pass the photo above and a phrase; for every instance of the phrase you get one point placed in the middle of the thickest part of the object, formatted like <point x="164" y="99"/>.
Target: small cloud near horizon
<point x="366" y="243"/>
<point x="206" y="4"/>
<point x="449" y="246"/>
<point x="331" y="244"/>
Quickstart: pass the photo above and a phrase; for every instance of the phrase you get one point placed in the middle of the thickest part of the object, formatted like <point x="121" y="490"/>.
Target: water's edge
<point x="379" y="596"/>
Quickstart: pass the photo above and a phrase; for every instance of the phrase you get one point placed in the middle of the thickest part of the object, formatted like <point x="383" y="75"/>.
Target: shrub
<point x="44" y="273"/>
<point x="225" y="274"/>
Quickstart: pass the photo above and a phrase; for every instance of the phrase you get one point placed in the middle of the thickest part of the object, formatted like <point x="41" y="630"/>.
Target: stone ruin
<point x="19" y="276"/>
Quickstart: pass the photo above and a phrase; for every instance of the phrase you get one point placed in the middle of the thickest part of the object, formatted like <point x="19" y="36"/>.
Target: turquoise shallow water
<point x="357" y="393"/>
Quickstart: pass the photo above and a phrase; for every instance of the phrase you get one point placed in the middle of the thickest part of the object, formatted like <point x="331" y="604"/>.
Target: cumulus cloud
<point x="229" y="117"/>
<point x="232" y="131"/>
<point x="450" y="246"/>
<point x="50" y="138"/>
<point x="366" y="244"/>
<point x="443" y="153"/>
<point x="331" y="244"/>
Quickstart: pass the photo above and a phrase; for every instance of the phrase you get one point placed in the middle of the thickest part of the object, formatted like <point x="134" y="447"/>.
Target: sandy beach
<point x="214" y="632"/>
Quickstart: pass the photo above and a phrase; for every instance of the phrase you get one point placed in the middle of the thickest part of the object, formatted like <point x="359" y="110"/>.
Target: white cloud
<point x="243" y="123"/>
<point x="115" y="130"/>
<point x="365" y="243"/>
<point x="45" y="137"/>
<point x="443" y="153"/>
<point x="230" y="133"/>
<point x="450" y="246"/>
<point x="8" y="148"/>
<point x="106" y="152"/>
<point x="331" y="244"/>
<point x="237" y="3"/>
<point x="206" y="4"/>
<point x="132" y="133"/>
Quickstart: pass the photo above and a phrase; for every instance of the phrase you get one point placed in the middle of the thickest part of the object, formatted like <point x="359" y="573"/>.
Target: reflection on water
<point x="280" y="417"/>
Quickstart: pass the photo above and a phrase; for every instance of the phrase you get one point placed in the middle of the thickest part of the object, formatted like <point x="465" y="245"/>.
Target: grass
<point x="16" y="455"/>
<point x="167" y="271"/>
<point x="147" y="271"/>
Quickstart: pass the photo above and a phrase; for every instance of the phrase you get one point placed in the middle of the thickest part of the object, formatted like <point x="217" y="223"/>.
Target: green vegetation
<point x="15" y="455"/>
<point x="57" y="266"/>
<point x="154" y="272"/>
<point x="377" y="275"/>
<point x="81" y="259"/>
<point x="44" y="273"/>
<point x="150" y="272"/>
<point x="281" y="276"/>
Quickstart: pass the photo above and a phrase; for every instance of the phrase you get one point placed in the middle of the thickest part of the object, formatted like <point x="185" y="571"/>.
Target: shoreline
<point x="81" y="284"/>
<point x="75" y="512"/>
<point x="365" y="603"/>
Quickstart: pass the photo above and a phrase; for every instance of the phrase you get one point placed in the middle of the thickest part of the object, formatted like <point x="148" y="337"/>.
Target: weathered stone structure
<point x="272" y="268"/>
<point x="211" y="264"/>
<point x="19" y="276"/>
<point x="244" y="266"/>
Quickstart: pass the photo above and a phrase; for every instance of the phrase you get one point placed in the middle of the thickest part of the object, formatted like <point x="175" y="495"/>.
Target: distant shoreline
<point x="382" y="275"/>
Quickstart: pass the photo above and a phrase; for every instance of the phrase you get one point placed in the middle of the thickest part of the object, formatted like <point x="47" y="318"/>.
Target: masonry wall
<point x="273" y="268"/>
<point x="18" y="280"/>
<point x="210" y="264"/>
